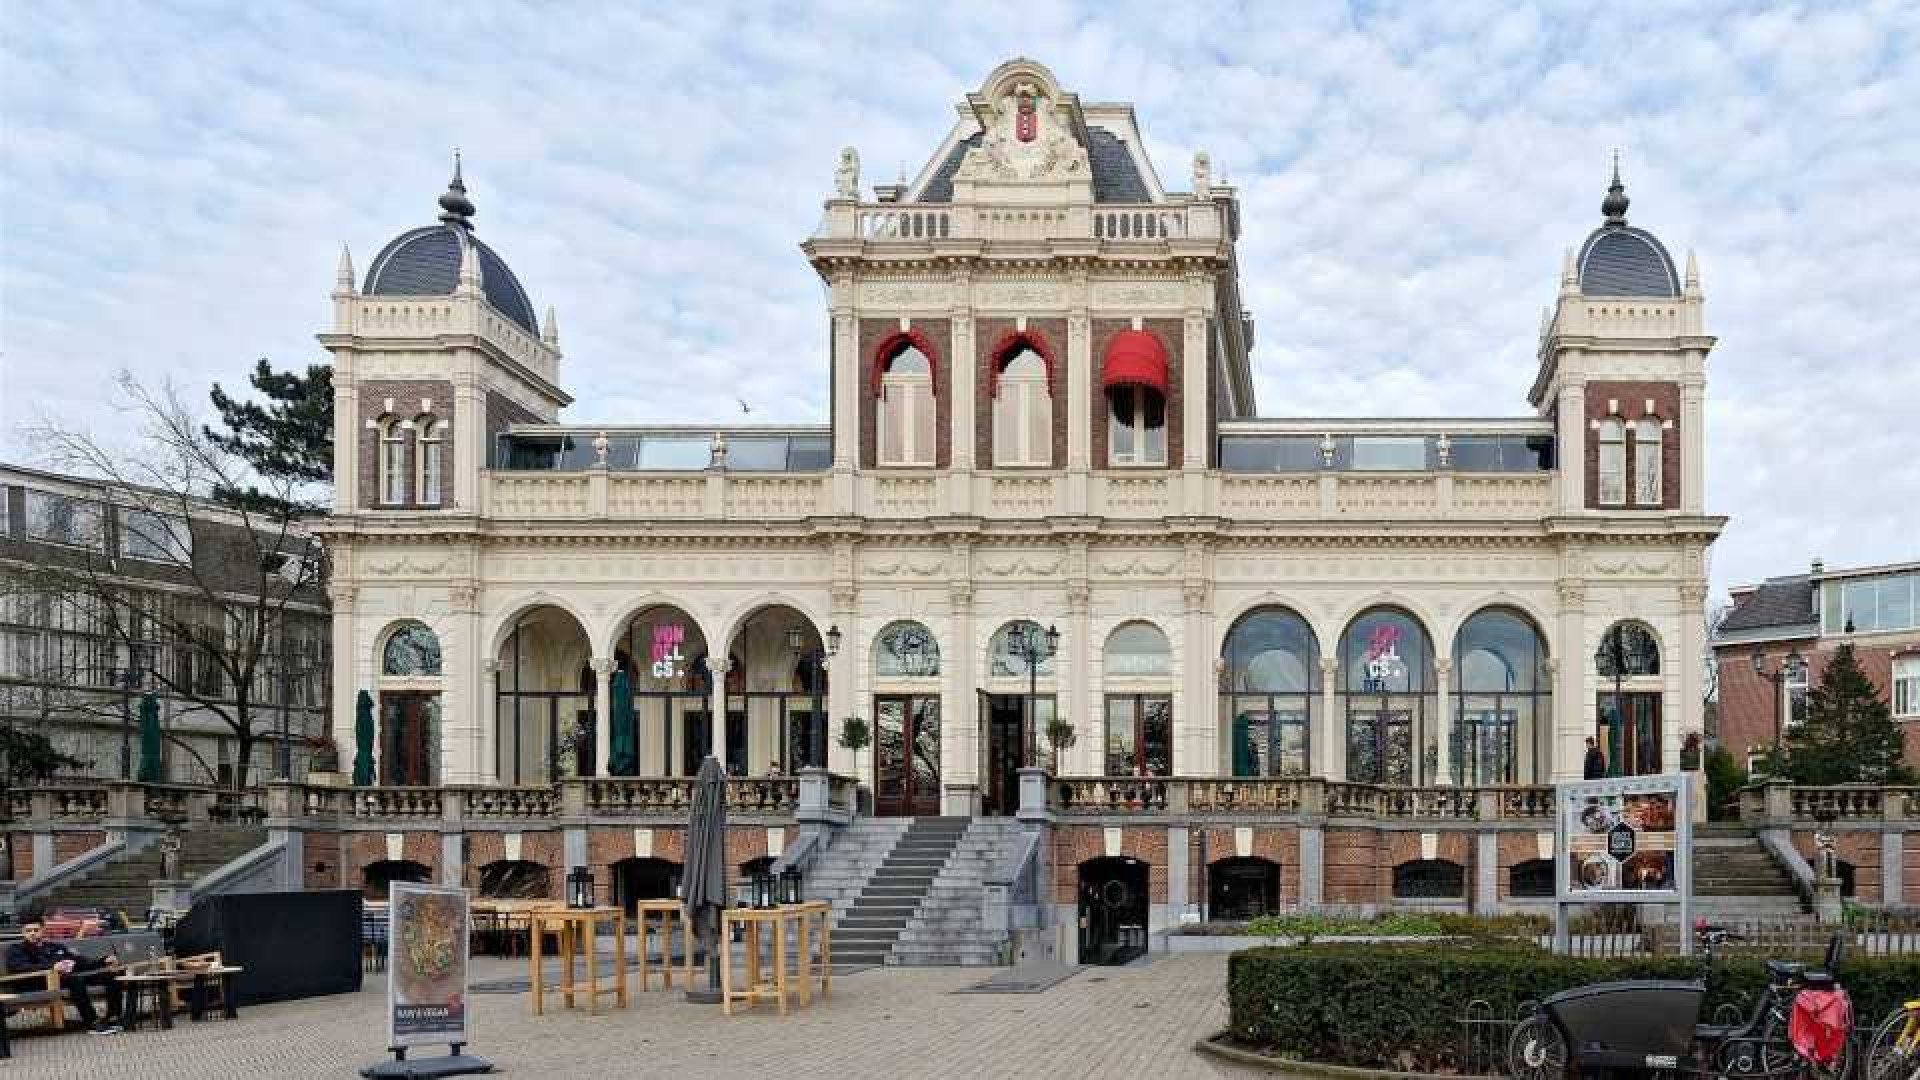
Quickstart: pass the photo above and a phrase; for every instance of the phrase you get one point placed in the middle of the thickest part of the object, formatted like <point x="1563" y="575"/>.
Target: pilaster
<point x="1693" y="435"/>
<point x="1570" y="699"/>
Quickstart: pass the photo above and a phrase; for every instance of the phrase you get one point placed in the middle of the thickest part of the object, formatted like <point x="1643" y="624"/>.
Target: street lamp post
<point x="1033" y="647"/>
<point x="1789" y="668"/>
<point x="127" y="680"/>
<point x="816" y="662"/>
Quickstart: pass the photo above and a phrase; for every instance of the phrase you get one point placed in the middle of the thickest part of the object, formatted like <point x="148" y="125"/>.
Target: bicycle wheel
<point x="1537" y="1050"/>
<point x="1894" y="1053"/>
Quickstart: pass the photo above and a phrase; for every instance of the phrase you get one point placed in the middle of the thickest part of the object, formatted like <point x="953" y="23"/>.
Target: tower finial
<point x="343" y="273"/>
<point x="1614" y="206"/>
<point x="456" y="208"/>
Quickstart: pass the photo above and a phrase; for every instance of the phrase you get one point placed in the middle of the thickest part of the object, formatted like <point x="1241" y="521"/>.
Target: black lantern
<point x="833" y="640"/>
<point x="580" y="888"/>
<point x="790" y="885"/>
<point x="762" y="882"/>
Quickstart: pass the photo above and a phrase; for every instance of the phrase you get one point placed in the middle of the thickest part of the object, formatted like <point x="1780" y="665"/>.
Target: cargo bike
<point x="1798" y="1030"/>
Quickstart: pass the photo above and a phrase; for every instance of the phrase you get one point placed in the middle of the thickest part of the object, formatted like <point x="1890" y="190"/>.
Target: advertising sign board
<point x="427" y="964"/>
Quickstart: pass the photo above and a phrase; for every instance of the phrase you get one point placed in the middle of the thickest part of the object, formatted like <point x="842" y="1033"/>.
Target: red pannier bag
<point x="1821" y="1022"/>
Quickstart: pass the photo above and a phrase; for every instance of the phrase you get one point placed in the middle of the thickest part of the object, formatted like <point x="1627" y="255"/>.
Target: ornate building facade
<point x="1045" y="499"/>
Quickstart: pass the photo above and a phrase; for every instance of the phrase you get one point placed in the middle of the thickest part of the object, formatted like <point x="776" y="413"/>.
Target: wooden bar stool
<point x="669" y="912"/>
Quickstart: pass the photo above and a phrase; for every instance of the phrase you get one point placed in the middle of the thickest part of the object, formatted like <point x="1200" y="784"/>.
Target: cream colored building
<point x="1042" y="410"/>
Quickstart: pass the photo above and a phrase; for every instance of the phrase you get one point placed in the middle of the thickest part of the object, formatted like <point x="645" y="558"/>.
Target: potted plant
<point x="1060" y="736"/>
<point x="856" y="736"/>
<point x="323" y="759"/>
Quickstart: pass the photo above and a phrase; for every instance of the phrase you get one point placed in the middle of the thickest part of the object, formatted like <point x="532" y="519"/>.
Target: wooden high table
<point x="578" y="929"/>
<point x="669" y="912"/>
<point x="757" y="987"/>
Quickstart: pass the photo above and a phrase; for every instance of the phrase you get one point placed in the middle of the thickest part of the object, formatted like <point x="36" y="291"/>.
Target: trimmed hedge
<point x="1399" y="1006"/>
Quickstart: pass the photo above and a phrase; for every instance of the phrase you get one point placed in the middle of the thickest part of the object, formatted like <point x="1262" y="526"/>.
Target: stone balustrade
<point x="1785" y="805"/>
<point x="1104" y="796"/>
<point x="886" y="225"/>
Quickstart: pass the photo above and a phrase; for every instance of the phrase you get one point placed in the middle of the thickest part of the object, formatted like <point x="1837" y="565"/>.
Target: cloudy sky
<point x="176" y="180"/>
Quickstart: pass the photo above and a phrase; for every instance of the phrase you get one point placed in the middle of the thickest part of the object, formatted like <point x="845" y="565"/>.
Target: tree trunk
<point x="243" y="764"/>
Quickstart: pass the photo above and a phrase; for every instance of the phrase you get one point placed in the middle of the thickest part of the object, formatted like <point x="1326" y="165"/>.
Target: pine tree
<point x="289" y="439"/>
<point x="1848" y="735"/>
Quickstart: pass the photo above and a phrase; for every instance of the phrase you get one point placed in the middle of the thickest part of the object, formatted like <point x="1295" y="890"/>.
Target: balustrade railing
<point x="1262" y="795"/>
<point x="1782" y="804"/>
<point x="1108" y="795"/>
<point x="1243" y="796"/>
<point x="395" y="803"/>
<point x="763" y="795"/>
<point x="1840" y="803"/>
<point x="486" y="803"/>
<point x="77" y="803"/>
<point x="639" y="795"/>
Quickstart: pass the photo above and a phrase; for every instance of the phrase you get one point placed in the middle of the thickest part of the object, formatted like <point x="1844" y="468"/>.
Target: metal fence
<point x="1624" y="931"/>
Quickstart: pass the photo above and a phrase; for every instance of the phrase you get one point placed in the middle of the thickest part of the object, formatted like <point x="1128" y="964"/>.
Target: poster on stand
<point x="427" y="943"/>
<point x="1624" y="840"/>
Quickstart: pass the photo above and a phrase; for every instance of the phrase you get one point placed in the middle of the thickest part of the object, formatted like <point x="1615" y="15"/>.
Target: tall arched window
<point x="1502" y="711"/>
<point x="1629" y="706"/>
<point x="1269" y="681"/>
<point x="1386" y="675"/>
<point x="1138" y="669"/>
<point x="411" y="650"/>
<point x="1613" y="462"/>
<point x="906" y="409"/>
<point x="392" y="462"/>
<point x="1022" y="409"/>
<point x="1007" y="661"/>
<point x="1646" y="462"/>
<point x="426" y="460"/>
<point x="906" y="650"/>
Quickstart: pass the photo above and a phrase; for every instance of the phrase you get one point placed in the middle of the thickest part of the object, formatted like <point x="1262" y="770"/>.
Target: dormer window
<point x="392" y="461"/>
<point x="1613" y="462"/>
<point x="426" y="459"/>
<point x="1646" y="462"/>
<point x="906" y="408"/>
<point x="1022" y="409"/>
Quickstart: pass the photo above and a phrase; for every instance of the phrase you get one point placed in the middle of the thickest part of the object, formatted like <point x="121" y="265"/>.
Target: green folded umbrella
<point x="149" y="739"/>
<point x="623" y="742"/>
<point x="363" y="740"/>
<point x="1243" y="753"/>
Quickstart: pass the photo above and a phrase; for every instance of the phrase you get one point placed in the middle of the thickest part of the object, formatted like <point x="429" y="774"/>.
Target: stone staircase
<point x="1734" y="877"/>
<point x="124" y="884"/>
<point x="908" y="891"/>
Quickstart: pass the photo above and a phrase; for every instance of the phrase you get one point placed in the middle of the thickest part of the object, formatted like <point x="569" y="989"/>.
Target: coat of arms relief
<point x="1028" y="139"/>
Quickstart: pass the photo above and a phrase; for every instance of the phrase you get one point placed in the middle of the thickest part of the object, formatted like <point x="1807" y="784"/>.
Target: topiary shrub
<point x="1399" y="1006"/>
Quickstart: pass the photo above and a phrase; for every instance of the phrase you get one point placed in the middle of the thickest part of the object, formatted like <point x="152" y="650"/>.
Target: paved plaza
<point x="901" y="1022"/>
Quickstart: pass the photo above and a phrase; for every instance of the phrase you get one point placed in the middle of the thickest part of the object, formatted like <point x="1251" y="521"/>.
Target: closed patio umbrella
<point x="705" y="880"/>
<point x="1243" y="758"/>
<point x="363" y="740"/>
<point x="149" y="739"/>
<point x="622" y="741"/>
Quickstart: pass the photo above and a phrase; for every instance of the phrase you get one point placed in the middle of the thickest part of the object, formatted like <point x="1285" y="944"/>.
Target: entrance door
<point x="407" y="721"/>
<point x="906" y="751"/>
<point x="1113" y="910"/>
<point x="1630" y="733"/>
<point x="1011" y="746"/>
<point x="1379" y="745"/>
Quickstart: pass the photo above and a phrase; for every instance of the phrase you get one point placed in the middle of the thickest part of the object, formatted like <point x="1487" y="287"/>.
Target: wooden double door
<point x="906" y="755"/>
<point x="409" y="737"/>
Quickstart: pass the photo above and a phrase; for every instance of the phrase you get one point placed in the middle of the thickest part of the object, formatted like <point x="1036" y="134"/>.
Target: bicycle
<point x="1894" y="1053"/>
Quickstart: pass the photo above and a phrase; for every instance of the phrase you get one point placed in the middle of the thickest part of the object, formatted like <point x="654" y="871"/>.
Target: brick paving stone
<point x="900" y="1022"/>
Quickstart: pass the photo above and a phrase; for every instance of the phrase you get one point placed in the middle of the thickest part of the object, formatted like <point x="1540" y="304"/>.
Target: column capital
<point x="602" y="665"/>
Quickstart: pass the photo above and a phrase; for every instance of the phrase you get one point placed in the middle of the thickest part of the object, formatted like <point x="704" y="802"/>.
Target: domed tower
<point x="433" y="356"/>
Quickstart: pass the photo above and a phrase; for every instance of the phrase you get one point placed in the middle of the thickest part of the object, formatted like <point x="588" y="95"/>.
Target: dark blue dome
<point x="1620" y="260"/>
<point x="426" y="262"/>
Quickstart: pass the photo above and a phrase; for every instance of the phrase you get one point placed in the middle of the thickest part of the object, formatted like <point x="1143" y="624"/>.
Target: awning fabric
<point x="1135" y="358"/>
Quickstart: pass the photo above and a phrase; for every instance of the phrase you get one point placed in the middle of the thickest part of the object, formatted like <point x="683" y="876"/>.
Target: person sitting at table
<point x="77" y="974"/>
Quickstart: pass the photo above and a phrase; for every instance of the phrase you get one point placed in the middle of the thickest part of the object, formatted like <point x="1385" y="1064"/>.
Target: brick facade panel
<point x="1749" y="701"/>
<point x="1512" y="849"/>
<point x="407" y="396"/>
<point x="1279" y="846"/>
<point x="989" y="334"/>
<point x="1072" y="845"/>
<point x="72" y="845"/>
<point x="367" y="848"/>
<point x="1172" y="335"/>
<point x="1632" y="399"/>
<point x="939" y="335"/>
<point x="324" y="868"/>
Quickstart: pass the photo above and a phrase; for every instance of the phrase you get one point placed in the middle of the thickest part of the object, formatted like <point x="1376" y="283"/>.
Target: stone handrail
<point x="411" y="803"/>
<point x="1084" y="796"/>
<point x="626" y="796"/>
<point x="1783" y="805"/>
<point x="509" y="803"/>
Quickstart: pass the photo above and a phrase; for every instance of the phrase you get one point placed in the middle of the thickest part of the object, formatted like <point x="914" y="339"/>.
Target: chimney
<point x="1819" y="566"/>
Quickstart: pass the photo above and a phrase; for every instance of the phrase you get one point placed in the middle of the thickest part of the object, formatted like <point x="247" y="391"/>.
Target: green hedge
<point x="1399" y="1006"/>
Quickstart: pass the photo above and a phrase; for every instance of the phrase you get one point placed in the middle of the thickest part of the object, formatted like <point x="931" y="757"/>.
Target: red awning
<point x="1135" y="358"/>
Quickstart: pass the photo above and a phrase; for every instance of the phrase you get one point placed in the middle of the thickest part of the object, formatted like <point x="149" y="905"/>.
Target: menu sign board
<point x="1624" y="840"/>
<point x="427" y="964"/>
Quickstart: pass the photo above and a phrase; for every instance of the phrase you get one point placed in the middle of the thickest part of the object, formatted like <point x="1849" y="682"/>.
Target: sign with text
<point x="1624" y="840"/>
<point x="427" y="964"/>
<point x="666" y="655"/>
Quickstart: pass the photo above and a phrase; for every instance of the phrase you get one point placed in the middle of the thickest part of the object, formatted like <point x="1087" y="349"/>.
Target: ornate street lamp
<point x="1792" y="668"/>
<point x="816" y="668"/>
<point x="1033" y="647"/>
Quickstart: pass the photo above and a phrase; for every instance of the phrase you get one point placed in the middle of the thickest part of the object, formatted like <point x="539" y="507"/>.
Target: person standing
<point x="77" y="974"/>
<point x="1596" y="767"/>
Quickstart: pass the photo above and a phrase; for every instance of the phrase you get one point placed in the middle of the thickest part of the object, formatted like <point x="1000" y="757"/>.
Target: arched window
<point x="378" y="877"/>
<point x="1242" y="888"/>
<point x="1613" y="462"/>
<point x="1269" y="681"/>
<point x="1022" y="409"/>
<point x="411" y="650"/>
<point x="1386" y="676"/>
<point x="393" y="462"/>
<point x="1646" y="462"/>
<point x="1531" y="880"/>
<point x="1429" y="879"/>
<point x="1009" y="662"/>
<point x="1629" y="730"/>
<point x="906" y="650"/>
<point x="1139" y="725"/>
<point x="1628" y="648"/>
<point x="1138" y="650"/>
<point x="1501" y="711"/>
<point x="906" y="411"/>
<point x="426" y="460"/>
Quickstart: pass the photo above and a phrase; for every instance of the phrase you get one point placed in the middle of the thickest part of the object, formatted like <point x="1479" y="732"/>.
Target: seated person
<point x="34" y="953"/>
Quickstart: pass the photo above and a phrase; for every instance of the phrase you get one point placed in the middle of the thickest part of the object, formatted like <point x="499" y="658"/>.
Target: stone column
<point x="962" y="375"/>
<point x="346" y="685"/>
<point x="1571" y="453"/>
<point x="469" y="439"/>
<point x="717" y="729"/>
<point x="847" y="373"/>
<point x="1195" y="719"/>
<point x="960" y="736"/>
<point x="347" y="433"/>
<point x="602" y="714"/>
<point x="1572" y="723"/>
<point x="488" y="709"/>
<point x="1078" y="697"/>
<point x="1693" y="435"/>
<point x="1329" y="741"/>
<point x="1080" y="380"/>
<point x="463" y="710"/>
<point x="1443" y="720"/>
<point x="1194" y="377"/>
<point x="1693" y="646"/>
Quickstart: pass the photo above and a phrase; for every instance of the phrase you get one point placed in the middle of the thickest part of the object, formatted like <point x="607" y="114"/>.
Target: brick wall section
<point x="1860" y="849"/>
<point x="545" y="848"/>
<point x="1512" y="849"/>
<point x="1351" y="865"/>
<point x="1051" y="334"/>
<point x="1911" y="860"/>
<point x="1402" y="847"/>
<point x="72" y="845"/>
<point x="323" y="849"/>
<point x="407" y="396"/>
<point x="1074" y="844"/>
<point x="1172" y="333"/>
<point x="1280" y="846"/>
<point x="1748" y="701"/>
<point x="1632" y="399"/>
<point x="367" y="848"/>
<point x="939" y="334"/>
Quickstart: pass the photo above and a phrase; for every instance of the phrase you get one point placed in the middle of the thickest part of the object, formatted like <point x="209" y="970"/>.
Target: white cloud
<point x="176" y="184"/>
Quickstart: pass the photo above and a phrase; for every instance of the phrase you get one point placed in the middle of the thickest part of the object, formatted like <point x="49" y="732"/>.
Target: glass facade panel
<point x="675" y="454"/>
<point x="145" y="535"/>
<point x="62" y="519"/>
<point x="1390" y="453"/>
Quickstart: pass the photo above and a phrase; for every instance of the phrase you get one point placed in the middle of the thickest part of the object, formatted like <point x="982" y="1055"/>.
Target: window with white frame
<point x="906" y="412"/>
<point x="426" y="458"/>
<point x="63" y="519"/>
<point x="1796" y="703"/>
<point x="1022" y="410"/>
<point x="1136" y="426"/>
<point x="1613" y="462"/>
<point x="392" y="462"/>
<point x="1906" y="687"/>
<point x="155" y="537"/>
<point x="1646" y="462"/>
